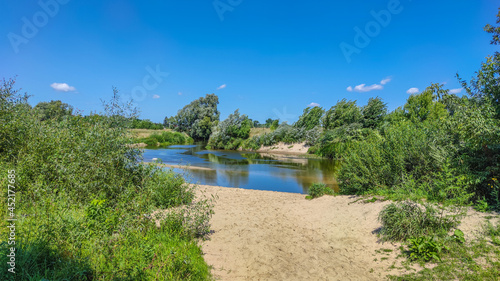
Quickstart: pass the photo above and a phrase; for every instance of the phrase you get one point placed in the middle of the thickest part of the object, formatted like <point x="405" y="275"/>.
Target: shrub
<point x="319" y="189"/>
<point x="230" y="133"/>
<point x="426" y="248"/>
<point x="401" y="221"/>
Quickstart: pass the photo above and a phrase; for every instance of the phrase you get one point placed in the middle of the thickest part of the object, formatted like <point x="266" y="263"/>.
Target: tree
<point x="197" y="118"/>
<point x="275" y="124"/>
<point x="56" y="110"/>
<point x="229" y="133"/>
<point x="485" y="87"/>
<point x="269" y="122"/>
<point x="495" y="31"/>
<point x="424" y="106"/>
<point x="343" y="113"/>
<point x="310" y="118"/>
<point x="374" y="112"/>
<point x="169" y="122"/>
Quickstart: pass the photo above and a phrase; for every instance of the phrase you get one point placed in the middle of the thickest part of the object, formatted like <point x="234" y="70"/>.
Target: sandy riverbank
<point x="264" y="235"/>
<point x="283" y="148"/>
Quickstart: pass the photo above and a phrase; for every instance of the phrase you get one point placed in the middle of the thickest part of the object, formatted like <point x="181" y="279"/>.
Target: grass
<point x="165" y="138"/>
<point x="144" y="133"/>
<point x="259" y="131"/>
<point x="473" y="260"/>
<point x="404" y="220"/>
<point x="319" y="189"/>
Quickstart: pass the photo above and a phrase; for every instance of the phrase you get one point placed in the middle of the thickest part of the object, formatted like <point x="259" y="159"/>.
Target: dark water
<point x="249" y="170"/>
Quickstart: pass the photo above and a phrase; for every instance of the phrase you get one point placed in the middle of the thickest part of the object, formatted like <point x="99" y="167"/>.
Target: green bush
<point x="425" y="248"/>
<point x="230" y="133"/>
<point x="404" y="220"/>
<point x="319" y="189"/>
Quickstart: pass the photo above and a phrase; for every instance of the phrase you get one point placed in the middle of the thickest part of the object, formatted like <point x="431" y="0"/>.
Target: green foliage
<point x="343" y="113"/>
<point x="310" y="118"/>
<point x="275" y="124"/>
<point x="145" y="124"/>
<point x="230" y="133"/>
<point x="169" y="190"/>
<point x="374" y="113"/>
<point x="423" y="106"/>
<point x="53" y="110"/>
<point x="319" y="189"/>
<point x="197" y="118"/>
<point x="458" y="236"/>
<point x="165" y="139"/>
<point x="99" y="217"/>
<point x="401" y="221"/>
<point x="270" y="122"/>
<point x="425" y="248"/>
<point x="284" y="133"/>
<point x="87" y="201"/>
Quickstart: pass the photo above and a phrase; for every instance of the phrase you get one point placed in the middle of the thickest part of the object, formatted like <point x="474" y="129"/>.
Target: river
<point x="249" y="170"/>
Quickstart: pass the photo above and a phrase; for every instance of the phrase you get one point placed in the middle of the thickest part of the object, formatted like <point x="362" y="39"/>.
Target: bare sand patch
<point x="294" y="148"/>
<point x="265" y="235"/>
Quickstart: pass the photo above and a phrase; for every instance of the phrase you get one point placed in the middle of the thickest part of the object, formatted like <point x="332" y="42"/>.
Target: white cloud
<point x="364" y="88"/>
<point x="221" y="87"/>
<point x="179" y="93"/>
<point x="313" y="104"/>
<point x="412" y="91"/>
<point x="456" y="91"/>
<point x="156" y="96"/>
<point x="62" y="87"/>
<point x="386" y="80"/>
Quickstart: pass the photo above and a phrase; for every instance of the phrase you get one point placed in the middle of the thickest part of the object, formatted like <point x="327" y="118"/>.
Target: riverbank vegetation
<point x="165" y="138"/>
<point x="84" y="203"/>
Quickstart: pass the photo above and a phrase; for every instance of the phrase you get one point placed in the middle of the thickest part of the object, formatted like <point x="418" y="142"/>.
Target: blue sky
<point x="270" y="59"/>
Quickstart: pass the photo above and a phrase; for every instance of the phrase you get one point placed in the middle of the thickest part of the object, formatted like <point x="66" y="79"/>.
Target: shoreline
<point x="185" y="167"/>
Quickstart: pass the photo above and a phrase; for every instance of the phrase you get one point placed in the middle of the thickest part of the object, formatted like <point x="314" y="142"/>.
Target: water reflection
<point x="263" y="171"/>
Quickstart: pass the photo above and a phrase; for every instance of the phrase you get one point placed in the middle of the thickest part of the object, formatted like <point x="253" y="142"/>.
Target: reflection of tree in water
<point x="234" y="171"/>
<point x="208" y="177"/>
<point x="233" y="167"/>
<point x="306" y="171"/>
<point x="237" y="177"/>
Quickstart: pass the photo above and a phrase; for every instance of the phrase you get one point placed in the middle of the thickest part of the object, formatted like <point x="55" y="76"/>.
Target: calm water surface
<point x="249" y="170"/>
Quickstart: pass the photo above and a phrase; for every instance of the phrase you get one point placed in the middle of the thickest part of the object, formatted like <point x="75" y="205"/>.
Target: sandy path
<point x="263" y="235"/>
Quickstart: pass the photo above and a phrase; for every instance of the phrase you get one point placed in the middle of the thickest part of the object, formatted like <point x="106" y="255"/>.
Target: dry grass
<point x="144" y="133"/>
<point x="259" y="131"/>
